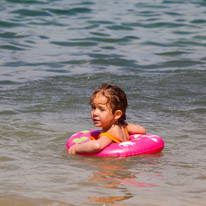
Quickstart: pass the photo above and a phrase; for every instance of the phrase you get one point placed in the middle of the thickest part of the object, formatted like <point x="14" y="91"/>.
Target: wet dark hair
<point x="116" y="98"/>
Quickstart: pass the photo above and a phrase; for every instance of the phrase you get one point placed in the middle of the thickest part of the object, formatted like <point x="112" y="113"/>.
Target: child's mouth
<point x="95" y="121"/>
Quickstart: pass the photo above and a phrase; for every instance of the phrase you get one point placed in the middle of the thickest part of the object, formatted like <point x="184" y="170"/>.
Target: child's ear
<point x="117" y="114"/>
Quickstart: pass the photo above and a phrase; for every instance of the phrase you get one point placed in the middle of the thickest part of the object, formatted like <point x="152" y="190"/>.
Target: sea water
<point x="54" y="53"/>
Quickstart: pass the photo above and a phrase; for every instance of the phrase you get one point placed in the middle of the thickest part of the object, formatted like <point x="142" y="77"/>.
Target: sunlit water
<point x="53" y="53"/>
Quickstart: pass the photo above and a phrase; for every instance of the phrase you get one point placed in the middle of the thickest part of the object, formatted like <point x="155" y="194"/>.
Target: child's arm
<point x="90" y="146"/>
<point x="135" y="129"/>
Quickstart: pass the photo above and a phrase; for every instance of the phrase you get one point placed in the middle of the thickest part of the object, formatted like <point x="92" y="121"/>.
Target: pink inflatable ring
<point x="138" y="144"/>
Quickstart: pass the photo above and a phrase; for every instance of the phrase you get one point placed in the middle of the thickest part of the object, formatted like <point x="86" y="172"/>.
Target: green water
<point x="54" y="53"/>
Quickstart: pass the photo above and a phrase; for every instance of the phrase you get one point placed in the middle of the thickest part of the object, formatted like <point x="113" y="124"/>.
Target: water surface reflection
<point x="116" y="178"/>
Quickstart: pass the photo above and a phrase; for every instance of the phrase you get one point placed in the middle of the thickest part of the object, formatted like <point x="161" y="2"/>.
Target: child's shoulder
<point x="135" y="129"/>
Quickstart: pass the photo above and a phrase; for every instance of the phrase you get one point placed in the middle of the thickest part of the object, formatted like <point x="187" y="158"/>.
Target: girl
<point x="108" y="103"/>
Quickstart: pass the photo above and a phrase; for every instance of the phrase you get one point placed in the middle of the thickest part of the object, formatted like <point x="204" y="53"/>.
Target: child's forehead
<point x="100" y="98"/>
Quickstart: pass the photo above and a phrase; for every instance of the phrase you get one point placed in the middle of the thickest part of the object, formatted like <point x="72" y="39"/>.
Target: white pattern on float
<point x="126" y="144"/>
<point x="154" y="139"/>
<point x="137" y="136"/>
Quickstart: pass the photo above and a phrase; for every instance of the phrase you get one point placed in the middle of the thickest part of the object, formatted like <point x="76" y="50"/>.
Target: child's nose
<point x="95" y="112"/>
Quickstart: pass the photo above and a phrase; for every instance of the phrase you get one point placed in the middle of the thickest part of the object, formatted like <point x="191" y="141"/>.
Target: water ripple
<point x="12" y="35"/>
<point x="113" y="40"/>
<point x="11" y="47"/>
<point x="9" y="24"/>
<point x="29" y="12"/>
<point x="79" y="43"/>
<point x="73" y="11"/>
<point x="26" y="2"/>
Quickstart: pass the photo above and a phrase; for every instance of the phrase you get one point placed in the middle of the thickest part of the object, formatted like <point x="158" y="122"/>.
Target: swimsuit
<point x="115" y="139"/>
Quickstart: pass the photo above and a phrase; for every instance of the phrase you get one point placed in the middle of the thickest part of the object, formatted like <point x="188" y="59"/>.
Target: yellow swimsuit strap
<point x="127" y="134"/>
<point x="115" y="139"/>
<point x="92" y="138"/>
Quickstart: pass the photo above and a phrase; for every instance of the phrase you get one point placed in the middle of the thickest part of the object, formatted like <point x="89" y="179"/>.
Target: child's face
<point x="101" y="112"/>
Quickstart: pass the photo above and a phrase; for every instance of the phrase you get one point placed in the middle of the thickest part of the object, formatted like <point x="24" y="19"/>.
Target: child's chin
<point x="96" y="125"/>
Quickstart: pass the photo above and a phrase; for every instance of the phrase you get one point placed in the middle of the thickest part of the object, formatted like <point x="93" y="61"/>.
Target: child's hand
<point x="72" y="150"/>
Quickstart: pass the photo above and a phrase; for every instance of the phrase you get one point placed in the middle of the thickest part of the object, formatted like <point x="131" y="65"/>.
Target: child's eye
<point x="93" y="107"/>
